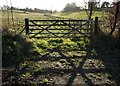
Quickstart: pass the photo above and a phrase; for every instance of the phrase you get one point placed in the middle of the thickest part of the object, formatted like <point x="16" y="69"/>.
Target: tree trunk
<point x="116" y="16"/>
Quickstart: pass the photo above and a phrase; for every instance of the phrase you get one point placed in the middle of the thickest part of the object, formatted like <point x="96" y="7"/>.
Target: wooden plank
<point x="57" y="37"/>
<point x="58" y="33"/>
<point x="56" y="24"/>
<point x="62" y="20"/>
<point x="60" y="29"/>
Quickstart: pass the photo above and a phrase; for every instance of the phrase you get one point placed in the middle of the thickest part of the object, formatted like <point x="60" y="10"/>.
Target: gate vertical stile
<point x="91" y="28"/>
<point x="96" y="26"/>
<point x="27" y="26"/>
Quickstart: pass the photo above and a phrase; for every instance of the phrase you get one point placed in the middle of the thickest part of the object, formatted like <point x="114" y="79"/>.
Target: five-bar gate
<point x="59" y="28"/>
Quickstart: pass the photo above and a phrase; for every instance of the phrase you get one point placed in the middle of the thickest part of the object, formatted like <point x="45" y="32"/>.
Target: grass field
<point x="19" y="17"/>
<point x="57" y="61"/>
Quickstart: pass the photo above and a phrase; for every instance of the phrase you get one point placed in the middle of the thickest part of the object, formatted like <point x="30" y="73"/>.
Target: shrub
<point x="15" y="48"/>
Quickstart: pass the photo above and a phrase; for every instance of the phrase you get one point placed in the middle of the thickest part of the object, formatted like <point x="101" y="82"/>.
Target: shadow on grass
<point x="108" y="50"/>
<point x="76" y="69"/>
<point x="109" y="55"/>
<point x="103" y="51"/>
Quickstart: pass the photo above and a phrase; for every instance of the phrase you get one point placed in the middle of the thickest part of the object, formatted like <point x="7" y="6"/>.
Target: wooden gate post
<point x="96" y="26"/>
<point x="27" y="25"/>
<point x="91" y="27"/>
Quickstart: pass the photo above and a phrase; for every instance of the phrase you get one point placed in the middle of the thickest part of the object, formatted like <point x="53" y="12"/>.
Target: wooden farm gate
<point x="59" y="28"/>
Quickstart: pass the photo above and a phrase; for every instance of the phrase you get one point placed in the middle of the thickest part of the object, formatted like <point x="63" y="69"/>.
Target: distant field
<point x="80" y="15"/>
<point x="20" y="15"/>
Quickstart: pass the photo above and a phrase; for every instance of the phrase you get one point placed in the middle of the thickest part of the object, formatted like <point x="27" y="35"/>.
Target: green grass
<point x="19" y="16"/>
<point x="43" y="61"/>
<point x="19" y="19"/>
<point x="80" y="15"/>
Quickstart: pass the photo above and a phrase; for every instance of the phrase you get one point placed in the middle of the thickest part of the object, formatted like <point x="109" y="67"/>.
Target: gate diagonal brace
<point x="38" y="26"/>
<point x="75" y="29"/>
<point x="46" y="29"/>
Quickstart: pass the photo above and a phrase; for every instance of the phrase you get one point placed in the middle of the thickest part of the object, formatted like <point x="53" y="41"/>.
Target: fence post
<point x="91" y="27"/>
<point x="27" y="25"/>
<point x="96" y="26"/>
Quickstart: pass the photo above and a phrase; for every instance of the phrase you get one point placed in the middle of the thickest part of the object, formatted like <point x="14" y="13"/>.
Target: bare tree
<point x="90" y="7"/>
<point x="116" y="17"/>
<point x="12" y="13"/>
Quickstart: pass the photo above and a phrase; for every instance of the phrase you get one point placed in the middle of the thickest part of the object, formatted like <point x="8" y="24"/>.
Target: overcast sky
<point x="44" y="4"/>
